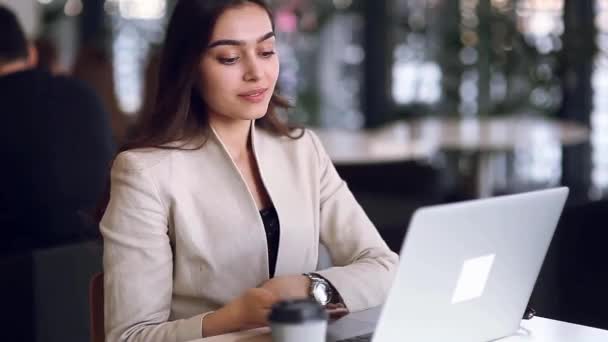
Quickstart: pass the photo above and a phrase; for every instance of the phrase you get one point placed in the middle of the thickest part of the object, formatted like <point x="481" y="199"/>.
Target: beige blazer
<point x="183" y="236"/>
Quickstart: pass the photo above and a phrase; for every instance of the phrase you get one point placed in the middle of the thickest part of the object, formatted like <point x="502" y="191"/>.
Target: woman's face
<point x="240" y="67"/>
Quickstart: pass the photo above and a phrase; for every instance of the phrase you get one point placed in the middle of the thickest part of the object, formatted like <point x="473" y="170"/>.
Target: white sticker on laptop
<point x="473" y="278"/>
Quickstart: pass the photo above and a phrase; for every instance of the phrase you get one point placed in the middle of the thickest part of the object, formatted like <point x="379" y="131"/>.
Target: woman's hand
<point x="336" y="311"/>
<point x="289" y="287"/>
<point x="296" y="287"/>
<point x="253" y="307"/>
<point x="248" y="311"/>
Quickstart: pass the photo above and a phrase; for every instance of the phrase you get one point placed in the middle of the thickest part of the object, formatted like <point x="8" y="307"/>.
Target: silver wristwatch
<point x="320" y="289"/>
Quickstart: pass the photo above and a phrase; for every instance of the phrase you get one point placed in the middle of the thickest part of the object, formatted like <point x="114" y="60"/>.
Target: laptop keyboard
<point x="360" y="338"/>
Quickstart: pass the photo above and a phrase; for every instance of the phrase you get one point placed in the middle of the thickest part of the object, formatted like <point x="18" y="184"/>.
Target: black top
<point x="56" y="146"/>
<point x="273" y="232"/>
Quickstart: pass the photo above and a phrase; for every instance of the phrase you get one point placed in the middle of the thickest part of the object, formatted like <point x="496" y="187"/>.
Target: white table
<point x="537" y="329"/>
<point x="390" y="144"/>
<point x="546" y="330"/>
<point x="421" y="139"/>
<point x="496" y="133"/>
<point x="490" y="138"/>
<point x="403" y="140"/>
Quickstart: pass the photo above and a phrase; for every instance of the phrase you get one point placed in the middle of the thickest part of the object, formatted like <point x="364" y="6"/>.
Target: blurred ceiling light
<point x="542" y="24"/>
<point x="111" y="7"/>
<point x="601" y="21"/>
<point x="343" y="4"/>
<point x="540" y="18"/>
<point x="599" y="116"/>
<point x="73" y="8"/>
<point x="142" y="9"/>
<point x="468" y="56"/>
<point x="468" y="4"/>
<point x="541" y="5"/>
<point x="45" y="2"/>
<point x="501" y="4"/>
<point x="354" y="54"/>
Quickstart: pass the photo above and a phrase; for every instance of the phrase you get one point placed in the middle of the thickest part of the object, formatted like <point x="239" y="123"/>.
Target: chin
<point x="259" y="116"/>
<point x="258" y="112"/>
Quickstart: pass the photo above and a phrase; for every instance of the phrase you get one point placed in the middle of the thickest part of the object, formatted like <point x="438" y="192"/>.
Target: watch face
<point x="321" y="293"/>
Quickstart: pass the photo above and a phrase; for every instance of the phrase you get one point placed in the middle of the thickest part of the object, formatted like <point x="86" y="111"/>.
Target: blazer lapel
<point x="220" y="152"/>
<point x="295" y="255"/>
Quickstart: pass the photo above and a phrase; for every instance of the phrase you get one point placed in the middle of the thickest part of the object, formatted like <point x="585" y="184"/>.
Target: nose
<point x="253" y="71"/>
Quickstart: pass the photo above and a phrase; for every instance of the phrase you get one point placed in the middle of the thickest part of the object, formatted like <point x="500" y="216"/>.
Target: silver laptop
<point x="467" y="270"/>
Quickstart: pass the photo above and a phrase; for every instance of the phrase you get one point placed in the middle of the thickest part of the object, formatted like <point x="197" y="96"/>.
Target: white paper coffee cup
<point x="298" y="321"/>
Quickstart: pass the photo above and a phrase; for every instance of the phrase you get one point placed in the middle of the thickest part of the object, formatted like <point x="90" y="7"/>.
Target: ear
<point x="32" y="56"/>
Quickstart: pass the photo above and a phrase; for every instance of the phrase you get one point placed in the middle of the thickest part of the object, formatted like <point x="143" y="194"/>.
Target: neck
<point x="13" y="67"/>
<point x="234" y="134"/>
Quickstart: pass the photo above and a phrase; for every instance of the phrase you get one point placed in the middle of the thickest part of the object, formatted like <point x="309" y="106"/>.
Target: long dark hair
<point x="179" y="113"/>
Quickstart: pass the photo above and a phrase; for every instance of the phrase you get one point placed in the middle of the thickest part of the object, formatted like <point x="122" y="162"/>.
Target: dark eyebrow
<point x="239" y="42"/>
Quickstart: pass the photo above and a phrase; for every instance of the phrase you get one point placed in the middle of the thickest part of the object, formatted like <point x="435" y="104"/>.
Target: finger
<point x="262" y="317"/>
<point x="335" y="306"/>
<point x="268" y="298"/>
<point x="337" y="311"/>
<point x="337" y="315"/>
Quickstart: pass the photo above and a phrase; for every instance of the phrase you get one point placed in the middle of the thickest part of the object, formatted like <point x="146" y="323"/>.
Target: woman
<point x="218" y="210"/>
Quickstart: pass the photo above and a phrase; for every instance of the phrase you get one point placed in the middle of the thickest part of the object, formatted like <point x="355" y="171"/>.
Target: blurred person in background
<point x="55" y="146"/>
<point x="48" y="59"/>
<point x="217" y="209"/>
<point x="93" y="66"/>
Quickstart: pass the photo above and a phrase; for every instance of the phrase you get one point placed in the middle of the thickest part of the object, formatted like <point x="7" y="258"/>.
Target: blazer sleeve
<point x="138" y="261"/>
<point x="364" y="265"/>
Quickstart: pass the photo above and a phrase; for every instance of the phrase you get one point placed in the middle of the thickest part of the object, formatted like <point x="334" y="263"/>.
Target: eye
<point x="267" y="54"/>
<point x="228" y="61"/>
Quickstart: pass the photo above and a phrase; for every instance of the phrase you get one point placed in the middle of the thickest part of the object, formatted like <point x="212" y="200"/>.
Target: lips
<point x="255" y="95"/>
<point x="254" y="92"/>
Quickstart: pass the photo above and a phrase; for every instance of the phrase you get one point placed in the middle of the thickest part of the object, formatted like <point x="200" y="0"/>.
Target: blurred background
<point x="418" y="102"/>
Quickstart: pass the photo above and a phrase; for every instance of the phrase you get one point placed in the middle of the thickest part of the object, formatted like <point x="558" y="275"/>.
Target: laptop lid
<point x="467" y="270"/>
